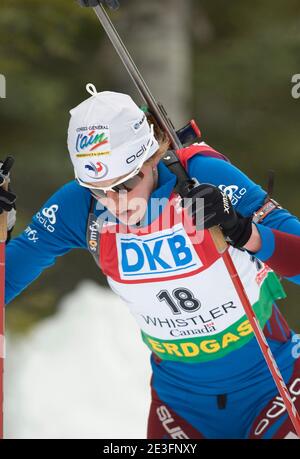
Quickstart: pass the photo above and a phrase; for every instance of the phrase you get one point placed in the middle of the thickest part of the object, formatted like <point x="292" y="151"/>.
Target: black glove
<point x="7" y="200"/>
<point x="216" y="209"/>
<point x="112" y="4"/>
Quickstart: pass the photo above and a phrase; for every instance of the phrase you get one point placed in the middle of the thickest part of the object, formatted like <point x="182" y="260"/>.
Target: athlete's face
<point x="130" y="206"/>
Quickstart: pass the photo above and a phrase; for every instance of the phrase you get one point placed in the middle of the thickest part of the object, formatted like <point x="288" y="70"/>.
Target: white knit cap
<point x="107" y="136"/>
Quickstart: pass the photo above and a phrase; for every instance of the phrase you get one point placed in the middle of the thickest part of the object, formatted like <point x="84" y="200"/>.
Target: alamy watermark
<point x="296" y="86"/>
<point x="2" y="86"/>
<point x="140" y="216"/>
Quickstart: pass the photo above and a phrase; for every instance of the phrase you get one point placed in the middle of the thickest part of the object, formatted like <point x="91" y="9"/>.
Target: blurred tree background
<point x="227" y="64"/>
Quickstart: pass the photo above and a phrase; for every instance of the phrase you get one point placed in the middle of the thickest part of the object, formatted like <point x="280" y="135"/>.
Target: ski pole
<point x="221" y="245"/>
<point x="4" y="179"/>
<point x="2" y="284"/>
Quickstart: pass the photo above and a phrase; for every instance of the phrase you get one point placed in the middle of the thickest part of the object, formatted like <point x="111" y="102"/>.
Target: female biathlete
<point x="209" y="377"/>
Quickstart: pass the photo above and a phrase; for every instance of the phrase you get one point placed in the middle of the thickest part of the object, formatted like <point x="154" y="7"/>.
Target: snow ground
<point x="83" y="373"/>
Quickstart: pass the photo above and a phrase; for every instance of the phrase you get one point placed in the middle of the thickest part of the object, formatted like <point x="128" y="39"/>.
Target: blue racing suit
<point x="230" y="397"/>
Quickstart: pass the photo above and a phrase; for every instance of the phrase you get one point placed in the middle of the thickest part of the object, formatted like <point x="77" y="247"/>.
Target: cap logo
<point x="132" y="158"/>
<point x="138" y="124"/>
<point x="91" y="141"/>
<point x="96" y="171"/>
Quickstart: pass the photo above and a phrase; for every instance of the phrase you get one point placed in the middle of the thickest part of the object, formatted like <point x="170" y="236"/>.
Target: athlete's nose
<point x="120" y="200"/>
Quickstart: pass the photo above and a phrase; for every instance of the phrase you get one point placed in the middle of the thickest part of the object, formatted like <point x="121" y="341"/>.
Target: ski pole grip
<point x="3" y="221"/>
<point x="219" y="239"/>
<point x="5" y="169"/>
<point x="7" y="165"/>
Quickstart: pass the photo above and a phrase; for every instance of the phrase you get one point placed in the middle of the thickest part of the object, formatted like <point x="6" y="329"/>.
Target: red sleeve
<point x="285" y="259"/>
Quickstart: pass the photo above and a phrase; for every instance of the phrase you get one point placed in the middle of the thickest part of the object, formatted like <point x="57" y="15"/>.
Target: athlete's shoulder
<point x="71" y="196"/>
<point x="73" y="190"/>
<point x="207" y="164"/>
<point x="208" y="167"/>
<point x="199" y="150"/>
<point x="66" y="211"/>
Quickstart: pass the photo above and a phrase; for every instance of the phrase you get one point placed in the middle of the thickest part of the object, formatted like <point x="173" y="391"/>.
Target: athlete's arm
<point x="279" y="231"/>
<point x="58" y="227"/>
<point x="280" y="250"/>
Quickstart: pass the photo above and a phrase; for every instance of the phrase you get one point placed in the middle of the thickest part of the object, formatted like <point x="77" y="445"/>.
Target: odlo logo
<point x="277" y="408"/>
<point x="233" y="192"/>
<point x="48" y="217"/>
<point x="50" y="213"/>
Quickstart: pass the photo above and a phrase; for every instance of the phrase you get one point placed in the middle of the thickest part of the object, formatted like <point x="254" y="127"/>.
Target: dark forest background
<point x="229" y="65"/>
